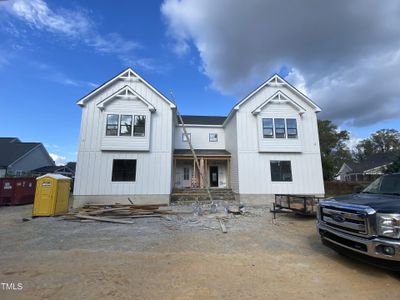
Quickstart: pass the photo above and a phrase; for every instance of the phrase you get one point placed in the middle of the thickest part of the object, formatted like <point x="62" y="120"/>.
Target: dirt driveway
<point x="179" y="258"/>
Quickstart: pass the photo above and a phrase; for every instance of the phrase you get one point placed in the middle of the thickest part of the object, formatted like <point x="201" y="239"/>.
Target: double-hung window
<point x="139" y="128"/>
<point x="125" y="128"/>
<point x="112" y="125"/>
<point x="268" y="128"/>
<point x="291" y="125"/>
<point x="280" y="130"/>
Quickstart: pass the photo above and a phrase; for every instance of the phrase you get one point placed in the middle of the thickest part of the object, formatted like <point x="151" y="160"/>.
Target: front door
<point x="213" y="176"/>
<point x="186" y="182"/>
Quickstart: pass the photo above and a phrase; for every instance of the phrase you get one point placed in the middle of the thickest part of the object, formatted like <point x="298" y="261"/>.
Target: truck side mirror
<point x="357" y="189"/>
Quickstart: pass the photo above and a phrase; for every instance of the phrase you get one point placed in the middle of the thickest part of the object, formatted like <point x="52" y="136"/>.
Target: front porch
<point x="214" y="169"/>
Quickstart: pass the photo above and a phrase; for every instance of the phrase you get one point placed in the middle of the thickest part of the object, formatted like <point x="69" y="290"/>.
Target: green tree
<point x="395" y="166"/>
<point x="381" y="141"/>
<point x="334" y="150"/>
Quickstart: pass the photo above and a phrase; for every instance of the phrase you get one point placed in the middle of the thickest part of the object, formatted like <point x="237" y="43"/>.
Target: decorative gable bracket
<point x="279" y="98"/>
<point x="126" y="93"/>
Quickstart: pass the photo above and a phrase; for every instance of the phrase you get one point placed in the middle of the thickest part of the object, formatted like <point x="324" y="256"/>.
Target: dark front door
<point x="213" y="176"/>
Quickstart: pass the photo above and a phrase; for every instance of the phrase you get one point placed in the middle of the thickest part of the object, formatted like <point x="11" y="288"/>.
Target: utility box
<point x="52" y="195"/>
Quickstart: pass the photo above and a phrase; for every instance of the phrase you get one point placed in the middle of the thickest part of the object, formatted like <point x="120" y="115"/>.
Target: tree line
<point x="335" y="151"/>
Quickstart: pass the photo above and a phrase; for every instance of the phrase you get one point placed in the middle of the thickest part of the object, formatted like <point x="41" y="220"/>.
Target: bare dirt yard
<point x="180" y="257"/>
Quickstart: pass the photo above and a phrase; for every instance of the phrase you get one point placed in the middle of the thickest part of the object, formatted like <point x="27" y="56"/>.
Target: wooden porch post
<point x="206" y="172"/>
<point x="228" y="166"/>
<point x="201" y="171"/>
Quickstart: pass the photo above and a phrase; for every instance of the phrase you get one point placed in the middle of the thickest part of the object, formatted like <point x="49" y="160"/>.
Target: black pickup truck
<point x="366" y="225"/>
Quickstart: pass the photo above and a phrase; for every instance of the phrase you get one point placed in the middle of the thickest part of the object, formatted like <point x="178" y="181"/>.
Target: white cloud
<point x="344" y="54"/>
<point x="58" y="159"/>
<point x="38" y="15"/>
<point x="75" y="25"/>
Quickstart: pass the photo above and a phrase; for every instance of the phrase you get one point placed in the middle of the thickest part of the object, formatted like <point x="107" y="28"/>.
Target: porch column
<point x="206" y="173"/>
<point x="201" y="171"/>
<point x="228" y="167"/>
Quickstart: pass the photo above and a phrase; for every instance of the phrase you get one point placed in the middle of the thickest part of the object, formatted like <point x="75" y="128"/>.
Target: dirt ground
<point x="185" y="257"/>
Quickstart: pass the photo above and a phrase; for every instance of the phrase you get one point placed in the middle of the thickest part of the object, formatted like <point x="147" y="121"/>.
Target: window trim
<point x="108" y="125"/>
<point x="123" y="181"/>
<point x="216" y="137"/>
<point x="134" y="126"/>
<point x="272" y="127"/>
<point x="280" y="161"/>
<point x="290" y="136"/>
<point x="284" y="128"/>
<point x="120" y="125"/>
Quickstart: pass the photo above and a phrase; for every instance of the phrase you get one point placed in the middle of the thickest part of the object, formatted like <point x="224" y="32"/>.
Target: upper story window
<point x="291" y="128"/>
<point x="126" y="125"/>
<point x="121" y="125"/>
<point x="140" y="126"/>
<point x="283" y="128"/>
<point x="268" y="128"/>
<point x="280" y="129"/>
<point x="112" y="125"/>
<point x="213" y="137"/>
<point x="184" y="137"/>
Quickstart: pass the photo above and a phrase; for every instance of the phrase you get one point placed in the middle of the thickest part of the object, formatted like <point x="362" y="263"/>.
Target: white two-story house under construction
<point x="132" y="145"/>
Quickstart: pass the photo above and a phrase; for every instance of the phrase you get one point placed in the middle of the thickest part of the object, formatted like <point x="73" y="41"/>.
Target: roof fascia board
<point x="270" y="81"/>
<point x="128" y="77"/>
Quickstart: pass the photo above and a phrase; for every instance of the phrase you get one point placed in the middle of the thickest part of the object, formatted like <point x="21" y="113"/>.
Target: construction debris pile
<point x="117" y="213"/>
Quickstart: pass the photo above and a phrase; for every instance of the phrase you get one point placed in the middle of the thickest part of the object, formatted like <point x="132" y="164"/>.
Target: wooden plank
<point x="103" y="219"/>
<point x="223" y="227"/>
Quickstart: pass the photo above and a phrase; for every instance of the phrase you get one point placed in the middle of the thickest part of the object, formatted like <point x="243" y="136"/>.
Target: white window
<point x="213" y="137"/>
<point x="279" y="128"/>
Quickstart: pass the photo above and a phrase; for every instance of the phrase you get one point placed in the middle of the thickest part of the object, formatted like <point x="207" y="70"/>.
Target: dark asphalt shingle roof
<point x="10" y="150"/>
<point x="203" y="120"/>
<point x="372" y="161"/>
<point x="202" y="152"/>
<point x="47" y="169"/>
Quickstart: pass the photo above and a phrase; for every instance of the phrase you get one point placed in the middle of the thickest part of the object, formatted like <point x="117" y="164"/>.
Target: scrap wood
<point x="103" y="219"/>
<point x="222" y="224"/>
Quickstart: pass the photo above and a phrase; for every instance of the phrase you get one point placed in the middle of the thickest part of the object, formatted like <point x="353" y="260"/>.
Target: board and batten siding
<point x="254" y="155"/>
<point x="154" y="167"/>
<point x="200" y="137"/>
<point x="231" y="143"/>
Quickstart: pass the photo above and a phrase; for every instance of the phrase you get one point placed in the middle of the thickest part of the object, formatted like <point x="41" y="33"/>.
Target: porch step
<point x="192" y="195"/>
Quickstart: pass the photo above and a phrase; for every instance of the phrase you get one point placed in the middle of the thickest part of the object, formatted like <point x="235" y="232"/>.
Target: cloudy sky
<point x="344" y="54"/>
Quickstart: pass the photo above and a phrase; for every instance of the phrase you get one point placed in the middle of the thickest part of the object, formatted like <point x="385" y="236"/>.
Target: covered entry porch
<point x="214" y="165"/>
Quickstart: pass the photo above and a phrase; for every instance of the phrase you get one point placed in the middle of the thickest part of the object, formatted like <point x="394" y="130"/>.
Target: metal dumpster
<point x="17" y="190"/>
<point x="52" y="195"/>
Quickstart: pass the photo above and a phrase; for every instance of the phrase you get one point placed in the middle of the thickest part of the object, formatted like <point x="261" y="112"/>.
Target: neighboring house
<point x="132" y="145"/>
<point x="62" y="170"/>
<point x="18" y="158"/>
<point x="368" y="169"/>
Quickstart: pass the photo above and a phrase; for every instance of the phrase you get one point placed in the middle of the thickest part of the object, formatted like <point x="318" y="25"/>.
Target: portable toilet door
<point x="52" y="195"/>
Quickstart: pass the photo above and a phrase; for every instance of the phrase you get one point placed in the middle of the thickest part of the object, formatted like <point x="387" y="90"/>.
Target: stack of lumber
<point x="117" y="213"/>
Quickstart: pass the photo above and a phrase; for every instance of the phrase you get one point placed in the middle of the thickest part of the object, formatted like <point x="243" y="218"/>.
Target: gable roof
<point x="279" y="97"/>
<point x="125" y="92"/>
<point x="11" y="152"/>
<point x="8" y="140"/>
<point x="51" y="169"/>
<point x="126" y="75"/>
<point x="274" y="80"/>
<point x="202" y="120"/>
<point x="371" y="162"/>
